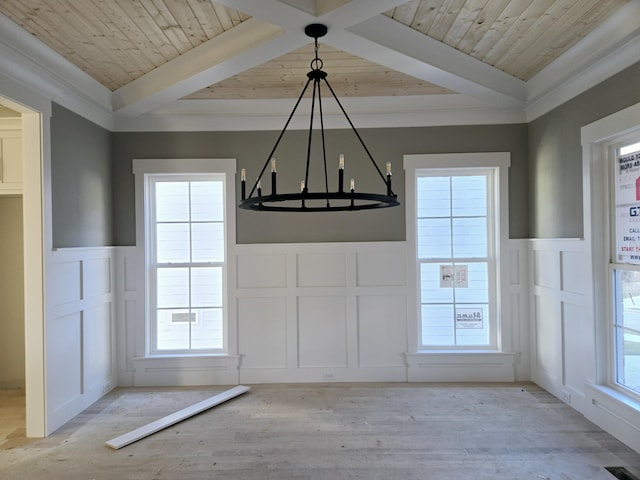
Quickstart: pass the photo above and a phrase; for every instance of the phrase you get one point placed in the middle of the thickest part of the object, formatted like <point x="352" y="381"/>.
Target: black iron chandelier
<point x="320" y="201"/>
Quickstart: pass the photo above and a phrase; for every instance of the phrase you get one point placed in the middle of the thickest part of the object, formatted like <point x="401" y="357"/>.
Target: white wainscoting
<point x="562" y="330"/>
<point x="337" y="312"/>
<point x="80" y="330"/>
<point x="563" y="337"/>
<point x="322" y="312"/>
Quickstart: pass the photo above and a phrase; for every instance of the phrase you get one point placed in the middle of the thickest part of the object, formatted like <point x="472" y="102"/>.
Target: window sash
<point x="624" y="278"/>
<point x="472" y="323"/>
<point x="185" y="227"/>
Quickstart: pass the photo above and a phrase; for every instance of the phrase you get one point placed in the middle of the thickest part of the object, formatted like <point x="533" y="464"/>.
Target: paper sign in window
<point x="454" y="276"/>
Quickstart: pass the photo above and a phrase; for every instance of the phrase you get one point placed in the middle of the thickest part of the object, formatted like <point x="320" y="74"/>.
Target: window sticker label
<point x="468" y="318"/>
<point x="628" y="208"/>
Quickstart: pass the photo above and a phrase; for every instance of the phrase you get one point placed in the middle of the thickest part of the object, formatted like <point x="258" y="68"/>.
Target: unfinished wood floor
<point x="328" y="431"/>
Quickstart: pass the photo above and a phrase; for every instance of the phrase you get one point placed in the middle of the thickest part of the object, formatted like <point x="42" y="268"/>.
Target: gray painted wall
<point x="555" y="154"/>
<point x="251" y="150"/>
<point x="80" y="181"/>
<point x="545" y="191"/>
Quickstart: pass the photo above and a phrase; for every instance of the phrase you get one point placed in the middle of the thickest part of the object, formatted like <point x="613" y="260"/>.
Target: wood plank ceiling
<point x="520" y="37"/>
<point x="118" y="41"/>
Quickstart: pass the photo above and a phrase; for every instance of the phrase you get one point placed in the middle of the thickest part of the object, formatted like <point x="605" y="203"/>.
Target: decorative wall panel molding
<point x="80" y="329"/>
<point x="334" y="312"/>
<point x="339" y="315"/>
<point x="562" y="326"/>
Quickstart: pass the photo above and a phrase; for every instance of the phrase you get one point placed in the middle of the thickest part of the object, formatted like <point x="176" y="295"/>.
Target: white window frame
<point x="459" y="162"/>
<point x="143" y="169"/>
<point x="614" y="362"/>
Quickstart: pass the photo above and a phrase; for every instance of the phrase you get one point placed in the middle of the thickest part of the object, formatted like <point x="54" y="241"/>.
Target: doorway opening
<point x="22" y="209"/>
<point x="12" y="327"/>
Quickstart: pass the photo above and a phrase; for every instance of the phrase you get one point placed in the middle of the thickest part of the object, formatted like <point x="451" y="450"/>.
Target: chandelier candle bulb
<point x="341" y="174"/>
<point x="243" y="183"/>
<point x="389" y="178"/>
<point x="352" y="187"/>
<point x="259" y="189"/>
<point x="302" y="185"/>
<point x="273" y="176"/>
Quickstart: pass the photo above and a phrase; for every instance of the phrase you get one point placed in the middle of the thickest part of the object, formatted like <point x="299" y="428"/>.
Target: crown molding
<point x="35" y="66"/>
<point x="374" y="112"/>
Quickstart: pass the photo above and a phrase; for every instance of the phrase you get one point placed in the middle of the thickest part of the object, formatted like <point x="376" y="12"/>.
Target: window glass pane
<point x="172" y="287"/>
<point x="437" y="325"/>
<point x="469" y="196"/>
<point x="172" y="242"/>
<point x="172" y="201"/>
<point x="635" y="147"/>
<point x="472" y="324"/>
<point x="207" y="242"/>
<point x="434" y="238"/>
<point x="433" y="194"/>
<point x="432" y="288"/>
<point x="206" y="287"/>
<point x="469" y="237"/>
<point x="207" y="201"/>
<point x="628" y="373"/>
<point x="627" y="328"/>
<point x="475" y="287"/>
<point x="207" y="332"/>
<point x="172" y="335"/>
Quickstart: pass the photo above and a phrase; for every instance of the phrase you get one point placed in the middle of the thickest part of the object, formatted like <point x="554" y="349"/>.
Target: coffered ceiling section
<point x="520" y="37"/>
<point x="119" y="41"/>
<point x="350" y="76"/>
<point x="151" y="53"/>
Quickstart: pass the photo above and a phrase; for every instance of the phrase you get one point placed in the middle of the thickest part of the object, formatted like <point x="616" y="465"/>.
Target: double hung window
<point x="456" y="258"/>
<point x="186" y="261"/>
<point x="456" y="221"/>
<point x="187" y="231"/>
<point x="625" y="267"/>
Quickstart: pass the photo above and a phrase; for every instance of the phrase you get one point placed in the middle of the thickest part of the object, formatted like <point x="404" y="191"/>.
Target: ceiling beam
<point x="357" y="27"/>
<point x="245" y="46"/>
<point x="387" y="42"/>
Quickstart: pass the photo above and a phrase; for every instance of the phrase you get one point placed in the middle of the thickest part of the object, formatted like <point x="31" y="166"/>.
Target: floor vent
<point x="621" y="473"/>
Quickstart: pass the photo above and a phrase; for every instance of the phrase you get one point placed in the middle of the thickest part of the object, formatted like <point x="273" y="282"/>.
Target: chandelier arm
<point x="324" y="149"/>
<point x="356" y="132"/>
<point x="255" y="185"/>
<point x="313" y="106"/>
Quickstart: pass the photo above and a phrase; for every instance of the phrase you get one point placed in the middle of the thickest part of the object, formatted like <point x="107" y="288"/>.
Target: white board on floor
<point x="164" y="422"/>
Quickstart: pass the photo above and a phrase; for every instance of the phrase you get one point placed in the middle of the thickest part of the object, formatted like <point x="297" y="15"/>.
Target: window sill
<point x="153" y="356"/>
<point x="462" y="366"/>
<point x="603" y="393"/>
<point x="459" y="352"/>
<point x="615" y="412"/>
